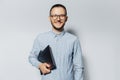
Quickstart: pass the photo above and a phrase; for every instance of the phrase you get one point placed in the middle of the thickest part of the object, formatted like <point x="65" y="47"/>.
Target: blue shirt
<point x="67" y="54"/>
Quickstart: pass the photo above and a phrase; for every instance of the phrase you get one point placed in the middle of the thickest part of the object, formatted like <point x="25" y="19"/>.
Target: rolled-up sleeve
<point x="77" y="61"/>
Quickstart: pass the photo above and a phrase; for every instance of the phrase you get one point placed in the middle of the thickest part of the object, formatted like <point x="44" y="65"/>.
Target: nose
<point x="58" y="17"/>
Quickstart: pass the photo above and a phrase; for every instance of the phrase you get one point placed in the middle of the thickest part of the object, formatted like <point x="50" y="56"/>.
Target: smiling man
<point x="58" y="18"/>
<point x="65" y="48"/>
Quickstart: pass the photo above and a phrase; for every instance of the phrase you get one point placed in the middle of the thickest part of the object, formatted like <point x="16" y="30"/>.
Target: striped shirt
<point x="67" y="54"/>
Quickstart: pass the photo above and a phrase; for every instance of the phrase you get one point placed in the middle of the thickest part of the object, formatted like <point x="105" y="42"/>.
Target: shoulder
<point x="71" y="36"/>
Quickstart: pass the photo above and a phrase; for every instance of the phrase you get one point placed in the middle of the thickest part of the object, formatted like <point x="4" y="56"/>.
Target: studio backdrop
<point x="96" y="23"/>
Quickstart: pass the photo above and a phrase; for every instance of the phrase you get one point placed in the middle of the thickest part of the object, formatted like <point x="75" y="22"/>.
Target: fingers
<point x="47" y="65"/>
<point x="45" y="68"/>
<point x="46" y="71"/>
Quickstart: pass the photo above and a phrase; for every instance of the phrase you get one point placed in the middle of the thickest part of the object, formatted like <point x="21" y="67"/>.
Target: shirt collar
<point x="57" y="35"/>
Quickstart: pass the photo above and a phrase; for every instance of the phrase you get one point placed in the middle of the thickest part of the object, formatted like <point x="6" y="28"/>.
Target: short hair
<point x="59" y="5"/>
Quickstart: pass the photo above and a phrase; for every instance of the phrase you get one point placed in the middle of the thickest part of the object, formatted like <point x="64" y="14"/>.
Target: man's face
<point x="58" y="18"/>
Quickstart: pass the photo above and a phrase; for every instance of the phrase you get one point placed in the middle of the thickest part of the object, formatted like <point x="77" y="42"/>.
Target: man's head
<point x="58" y="16"/>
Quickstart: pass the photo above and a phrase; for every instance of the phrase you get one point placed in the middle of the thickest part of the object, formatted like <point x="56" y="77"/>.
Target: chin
<point x="58" y="28"/>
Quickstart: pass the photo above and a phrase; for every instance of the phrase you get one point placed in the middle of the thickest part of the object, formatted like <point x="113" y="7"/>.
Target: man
<point x="65" y="48"/>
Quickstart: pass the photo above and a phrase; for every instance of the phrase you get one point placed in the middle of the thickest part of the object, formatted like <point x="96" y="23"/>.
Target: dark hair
<point x="59" y="5"/>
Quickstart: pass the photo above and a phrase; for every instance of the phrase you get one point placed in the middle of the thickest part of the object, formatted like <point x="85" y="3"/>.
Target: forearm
<point x="33" y="60"/>
<point x="78" y="73"/>
<point x="78" y="62"/>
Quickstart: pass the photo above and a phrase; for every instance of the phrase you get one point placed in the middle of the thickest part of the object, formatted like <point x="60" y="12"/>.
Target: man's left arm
<point x="77" y="61"/>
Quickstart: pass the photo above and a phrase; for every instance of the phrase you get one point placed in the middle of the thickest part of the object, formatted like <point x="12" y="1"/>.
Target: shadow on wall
<point x="72" y="31"/>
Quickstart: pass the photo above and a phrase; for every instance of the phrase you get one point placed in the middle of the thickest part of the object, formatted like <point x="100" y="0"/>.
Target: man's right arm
<point x="43" y="67"/>
<point x="34" y="53"/>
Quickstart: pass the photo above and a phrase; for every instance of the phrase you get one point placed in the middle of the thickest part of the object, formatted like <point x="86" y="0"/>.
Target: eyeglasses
<point x="62" y="16"/>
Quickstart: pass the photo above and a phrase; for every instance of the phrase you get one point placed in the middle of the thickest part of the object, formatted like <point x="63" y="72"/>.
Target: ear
<point x="49" y="18"/>
<point x="66" y="18"/>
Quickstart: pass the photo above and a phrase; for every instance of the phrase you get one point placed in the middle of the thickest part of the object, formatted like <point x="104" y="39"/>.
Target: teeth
<point x="58" y="22"/>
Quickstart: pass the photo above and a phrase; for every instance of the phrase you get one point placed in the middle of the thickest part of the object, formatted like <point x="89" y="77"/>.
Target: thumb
<point x="47" y="65"/>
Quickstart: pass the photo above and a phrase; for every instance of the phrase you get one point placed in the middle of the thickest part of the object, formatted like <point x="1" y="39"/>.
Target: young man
<point x="65" y="48"/>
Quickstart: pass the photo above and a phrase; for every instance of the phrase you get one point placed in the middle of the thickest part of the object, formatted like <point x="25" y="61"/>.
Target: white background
<point x="95" y="22"/>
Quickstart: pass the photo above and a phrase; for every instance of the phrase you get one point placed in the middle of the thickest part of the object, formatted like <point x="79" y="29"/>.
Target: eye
<point x="62" y="16"/>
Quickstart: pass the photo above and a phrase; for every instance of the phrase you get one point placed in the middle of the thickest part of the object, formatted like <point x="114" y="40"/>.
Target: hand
<point x="45" y="68"/>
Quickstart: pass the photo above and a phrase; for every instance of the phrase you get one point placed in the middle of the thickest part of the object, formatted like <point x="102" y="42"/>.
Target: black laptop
<point x="46" y="56"/>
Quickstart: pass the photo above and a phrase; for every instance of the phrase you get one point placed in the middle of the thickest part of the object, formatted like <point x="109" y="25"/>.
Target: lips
<point x="58" y="23"/>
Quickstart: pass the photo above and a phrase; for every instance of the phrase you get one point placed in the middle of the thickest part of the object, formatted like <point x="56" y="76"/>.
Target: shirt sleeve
<point x="77" y="61"/>
<point x="34" y="53"/>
